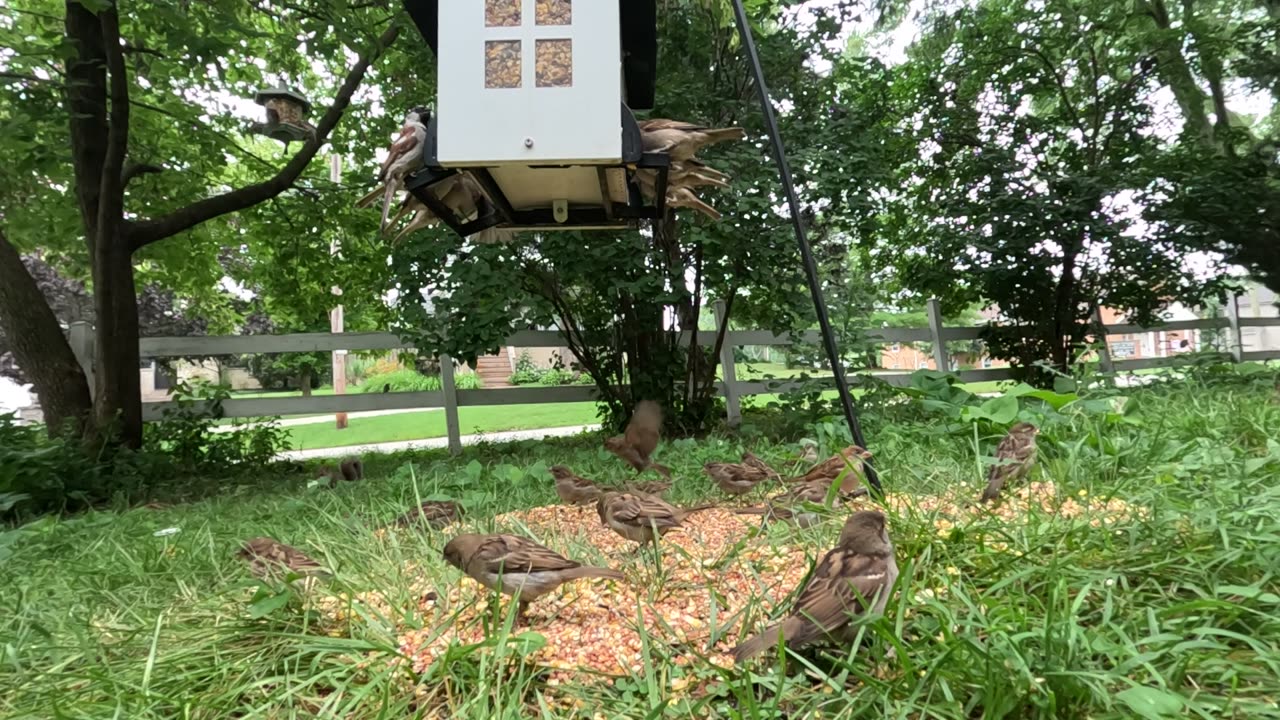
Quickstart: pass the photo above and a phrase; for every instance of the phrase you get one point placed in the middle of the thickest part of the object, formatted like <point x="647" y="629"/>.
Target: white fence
<point x="450" y="398"/>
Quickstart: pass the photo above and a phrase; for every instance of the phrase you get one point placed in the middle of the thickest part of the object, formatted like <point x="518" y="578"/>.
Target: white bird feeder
<point x="535" y="103"/>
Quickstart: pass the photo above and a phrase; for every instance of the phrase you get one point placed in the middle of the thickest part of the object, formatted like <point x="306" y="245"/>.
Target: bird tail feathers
<point x="765" y="640"/>
<point x="726" y="134"/>
<point x="587" y="571"/>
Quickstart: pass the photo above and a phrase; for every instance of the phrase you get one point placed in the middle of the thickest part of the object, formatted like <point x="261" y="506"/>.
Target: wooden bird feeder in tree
<point x="287" y="113"/>
<point x="535" y="102"/>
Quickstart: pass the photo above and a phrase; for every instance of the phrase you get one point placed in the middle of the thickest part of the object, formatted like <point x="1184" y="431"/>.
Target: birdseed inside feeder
<point x="286" y="115"/>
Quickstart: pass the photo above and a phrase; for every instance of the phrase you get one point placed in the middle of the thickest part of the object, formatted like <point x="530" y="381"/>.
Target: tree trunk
<point x="42" y="351"/>
<point x="118" y="396"/>
<point x="304" y="381"/>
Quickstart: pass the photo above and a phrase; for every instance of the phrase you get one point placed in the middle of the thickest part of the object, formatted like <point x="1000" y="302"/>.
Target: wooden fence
<point x="937" y="335"/>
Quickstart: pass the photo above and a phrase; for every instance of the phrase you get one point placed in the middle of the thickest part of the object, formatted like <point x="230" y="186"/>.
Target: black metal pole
<point x="806" y="253"/>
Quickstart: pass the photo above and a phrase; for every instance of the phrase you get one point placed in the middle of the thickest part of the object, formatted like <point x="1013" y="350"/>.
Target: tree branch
<point x="111" y="181"/>
<point x="134" y="170"/>
<point x="86" y="90"/>
<point x="188" y="217"/>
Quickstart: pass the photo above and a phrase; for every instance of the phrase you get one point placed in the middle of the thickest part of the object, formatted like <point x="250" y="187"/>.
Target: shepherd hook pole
<point x="806" y="253"/>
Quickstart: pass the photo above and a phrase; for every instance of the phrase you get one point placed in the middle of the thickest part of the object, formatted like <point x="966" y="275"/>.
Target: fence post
<point x="940" y="359"/>
<point x="1235" y="342"/>
<point x="1104" y="349"/>
<point x="450" y="392"/>
<point x="733" y="409"/>
<point x="80" y="338"/>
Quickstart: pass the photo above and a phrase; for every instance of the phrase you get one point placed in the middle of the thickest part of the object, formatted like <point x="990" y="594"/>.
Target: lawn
<point x="431" y="424"/>
<point x="1141" y="583"/>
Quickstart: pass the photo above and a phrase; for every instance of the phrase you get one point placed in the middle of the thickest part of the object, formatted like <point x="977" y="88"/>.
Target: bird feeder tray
<point x="529" y="100"/>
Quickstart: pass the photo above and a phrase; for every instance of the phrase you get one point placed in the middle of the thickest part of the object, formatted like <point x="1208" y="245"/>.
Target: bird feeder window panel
<point x="502" y="64"/>
<point x="555" y="63"/>
<point x="554" y="12"/>
<point x="502" y="13"/>
<point x="513" y="72"/>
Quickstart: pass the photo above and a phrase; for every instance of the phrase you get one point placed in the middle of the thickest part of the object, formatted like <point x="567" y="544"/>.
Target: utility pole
<point x="335" y="315"/>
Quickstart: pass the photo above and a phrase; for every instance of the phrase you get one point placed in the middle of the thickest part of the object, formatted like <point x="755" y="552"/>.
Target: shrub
<point x="401" y="380"/>
<point x="187" y="435"/>
<point x="526" y="372"/>
<point x="467" y="381"/>
<point x="41" y="474"/>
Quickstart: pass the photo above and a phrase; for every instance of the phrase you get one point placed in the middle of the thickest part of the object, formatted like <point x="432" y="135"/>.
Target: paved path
<point x="436" y="442"/>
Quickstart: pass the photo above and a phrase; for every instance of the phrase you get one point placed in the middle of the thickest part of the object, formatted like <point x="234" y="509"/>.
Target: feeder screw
<point x="528" y="142"/>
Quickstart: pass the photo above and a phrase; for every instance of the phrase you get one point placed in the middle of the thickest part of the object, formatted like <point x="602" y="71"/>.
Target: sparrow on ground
<point x="433" y="513"/>
<point x="737" y="478"/>
<point x="849" y="459"/>
<point x="517" y="566"/>
<point x="272" y="560"/>
<point x="573" y="489"/>
<point x="682" y="140"/>
<point x="1014" y="457"/>
<point x="790" y="505"/>
<point x="641" y="518"/>
<point x="640" y="439"/>
<point x="749" y="458"/>
<point x="858" y="573"/>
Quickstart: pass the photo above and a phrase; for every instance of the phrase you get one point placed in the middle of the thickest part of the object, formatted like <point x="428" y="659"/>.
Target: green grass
<point x="431" y="424"/>
<point x="1177" y="615"/>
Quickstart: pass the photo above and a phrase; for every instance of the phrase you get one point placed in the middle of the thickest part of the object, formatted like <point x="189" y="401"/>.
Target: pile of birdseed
<point x="591" y="626"/>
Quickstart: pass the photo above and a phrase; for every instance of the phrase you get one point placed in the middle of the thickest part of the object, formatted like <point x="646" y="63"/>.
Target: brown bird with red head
<point x="640" y="439"/>
<point x="1014" y="457"/>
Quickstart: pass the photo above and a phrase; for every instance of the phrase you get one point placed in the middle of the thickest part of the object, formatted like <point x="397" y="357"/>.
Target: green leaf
<point x="1000" y="410"/>
<point x="1152" y="703"/>
<point x="263" y="607"/>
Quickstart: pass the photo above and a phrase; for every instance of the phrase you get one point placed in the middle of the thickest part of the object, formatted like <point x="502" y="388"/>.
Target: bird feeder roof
<point x="262" y="96"/>
<point x="639" y="21"/>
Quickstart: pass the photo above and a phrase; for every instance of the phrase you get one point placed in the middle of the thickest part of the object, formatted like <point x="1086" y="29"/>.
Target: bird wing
<point x="403" y="143"/>
<point x="1012" y="455"/>
<point x="655" y="124"/>
<point x="749" y="458"/>
<point x="843" y="585"/>
<point x="510" y="553"/>
<point x="643" y="431"/>
<point x="644" y="511"/>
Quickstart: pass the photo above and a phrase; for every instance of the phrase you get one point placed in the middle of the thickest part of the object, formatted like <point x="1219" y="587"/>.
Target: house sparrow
<point x="653" y="487"/>
<point x="749" y="459"/>
<point x="350" y="468"/>
<point x="433" y="513"/>
<point x="271" y="560"/>
<point x="573" y="489"/>
<point x="640" y="439"/>
<point x="689" y="174"/>
<point x="808" y="455"/>
<point x="638" y="517"/>
<point x="517" y="566"/>
<point x="850" y="457"/>
<point x="1014" y="457"/>
<point x="735" y="478"/>
<point x="683" y="197"/>
<point x="858" y="572"/>
<point x="404" y="156"/>
<point x="682" y="140"/>
<point x="790" y="505"/>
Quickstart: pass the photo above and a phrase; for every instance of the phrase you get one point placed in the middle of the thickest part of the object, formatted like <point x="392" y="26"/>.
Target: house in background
<point x="1259" y="302"/>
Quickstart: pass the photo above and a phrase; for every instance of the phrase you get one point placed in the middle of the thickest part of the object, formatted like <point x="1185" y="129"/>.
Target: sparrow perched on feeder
<point x="737" y="478"/>
<point x="517" y="566"/>
<point x="573" y="489"/>
<point x="1014" y="457"/>
<point x="849" y="458"/>
<point x="272" y="560"/>
<point x="404" y="156"/>
<point x="433" y="513"/>
<point x="640" y="439"/>
<point x="859" y="573"/>
<point x="682" y="140"/>
<point x="641" y="518"/>
<point x="683" y="197"/>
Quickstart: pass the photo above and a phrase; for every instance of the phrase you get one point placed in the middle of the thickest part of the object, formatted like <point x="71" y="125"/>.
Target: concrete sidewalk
<point x="440" y="442"/>
<point x="319" y="419"/>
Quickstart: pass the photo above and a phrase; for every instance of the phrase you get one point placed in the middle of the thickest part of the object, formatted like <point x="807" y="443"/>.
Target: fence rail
<point x="450" y="398"/>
